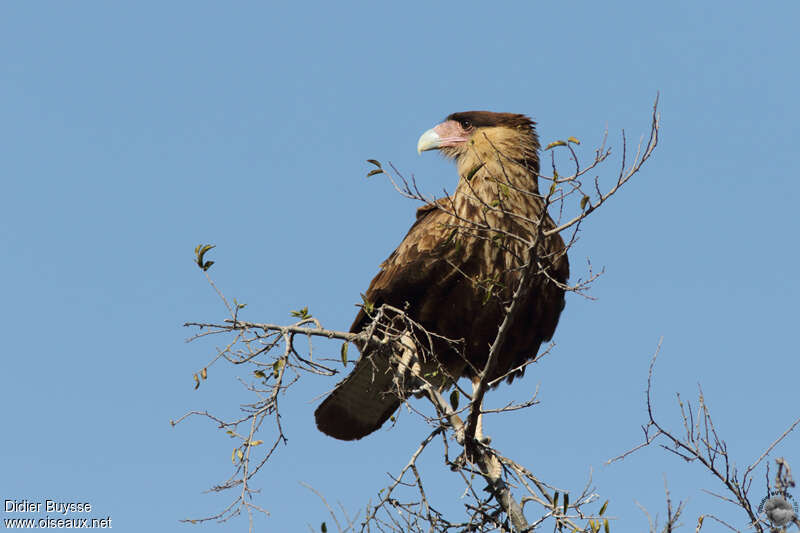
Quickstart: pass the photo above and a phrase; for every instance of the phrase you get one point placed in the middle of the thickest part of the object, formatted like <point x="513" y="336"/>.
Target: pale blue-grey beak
<point x="430" y="140"/>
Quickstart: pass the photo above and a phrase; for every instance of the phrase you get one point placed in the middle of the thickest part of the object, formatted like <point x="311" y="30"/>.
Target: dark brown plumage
<point x="454" y="276"/>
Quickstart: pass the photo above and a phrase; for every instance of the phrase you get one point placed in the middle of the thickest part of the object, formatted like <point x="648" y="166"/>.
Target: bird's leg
<point x="479" y="436"/>
<point x="408" y="365"/>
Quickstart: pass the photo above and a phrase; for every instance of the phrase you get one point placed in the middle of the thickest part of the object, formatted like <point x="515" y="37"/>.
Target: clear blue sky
<point x="130" y="133"/>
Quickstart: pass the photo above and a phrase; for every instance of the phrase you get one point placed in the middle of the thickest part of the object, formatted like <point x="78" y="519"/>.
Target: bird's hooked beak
<point x="448" y="133"/>
<point x="430" y="140"/>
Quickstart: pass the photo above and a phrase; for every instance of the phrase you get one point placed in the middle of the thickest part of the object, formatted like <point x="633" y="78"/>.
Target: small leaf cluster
<point x="238" y="453"/>
<point x="199" y="254"/>
<point x="302" y="313"/>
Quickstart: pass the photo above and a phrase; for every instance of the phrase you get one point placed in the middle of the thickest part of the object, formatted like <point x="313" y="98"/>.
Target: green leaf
<point x="233" y="456"/>
<point x="573" y="140"/>
<point x="369" y="307"/>
<point x="375" y="162"/>
<point x="374" y="171"/>
<point x="344" y="353"/>
<point x="450" y="236"/>
<point x="606" y="527"/>
<point x="454" y="399"/>
<point x="554" y="144"/>
<point x="260" y="374"/>
<point x="603" y="508"/>
<point x="472" y="172"/>
<point x="552" y="189"/>
<point x="487" y="296"/>
<point x="584" y="201"/>
<point x="555" y="500"/>
<point x="276" y="367"/>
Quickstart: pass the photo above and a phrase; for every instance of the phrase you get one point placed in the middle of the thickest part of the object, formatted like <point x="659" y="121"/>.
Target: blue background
<point x="129" y="133"/>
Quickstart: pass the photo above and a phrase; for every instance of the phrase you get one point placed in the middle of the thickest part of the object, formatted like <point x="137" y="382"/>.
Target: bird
<point x="455" y="273"/>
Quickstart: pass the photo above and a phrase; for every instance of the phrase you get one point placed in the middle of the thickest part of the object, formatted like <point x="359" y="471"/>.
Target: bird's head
<point x="483" y="135"/>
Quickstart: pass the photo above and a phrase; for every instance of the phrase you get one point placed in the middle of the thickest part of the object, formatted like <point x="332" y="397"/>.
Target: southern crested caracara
<point x="457" y="268"/>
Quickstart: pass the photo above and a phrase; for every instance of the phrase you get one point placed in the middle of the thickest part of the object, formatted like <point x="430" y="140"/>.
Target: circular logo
<point x="779" y="508"/>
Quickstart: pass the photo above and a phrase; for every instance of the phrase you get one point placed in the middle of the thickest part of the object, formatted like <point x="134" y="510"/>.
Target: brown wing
<point x="458" y="287"/>
<point x="367" y="397"/>
<point x="408" y="273"/>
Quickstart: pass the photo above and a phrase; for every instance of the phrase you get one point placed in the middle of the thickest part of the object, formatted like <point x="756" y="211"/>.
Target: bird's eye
<point x="466" y="124"/>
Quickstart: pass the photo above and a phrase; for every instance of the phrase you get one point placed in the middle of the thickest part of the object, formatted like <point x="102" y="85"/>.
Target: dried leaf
<point x="204" y="373"/>
<point x="374" y="171"/>
<point x="584" y="201"/>
<point x="573" y="140"/>
<point x="375" y="162"/>
<point x="344" y="354"/>
<point x="196" y="382"/>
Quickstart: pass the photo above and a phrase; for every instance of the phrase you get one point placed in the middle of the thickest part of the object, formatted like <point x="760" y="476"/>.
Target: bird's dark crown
<point x="482" y="119"/>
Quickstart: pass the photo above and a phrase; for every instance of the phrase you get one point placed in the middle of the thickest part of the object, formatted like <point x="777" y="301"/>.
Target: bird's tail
<point x="368" y="396"/>
<point x="363" y="401"/>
